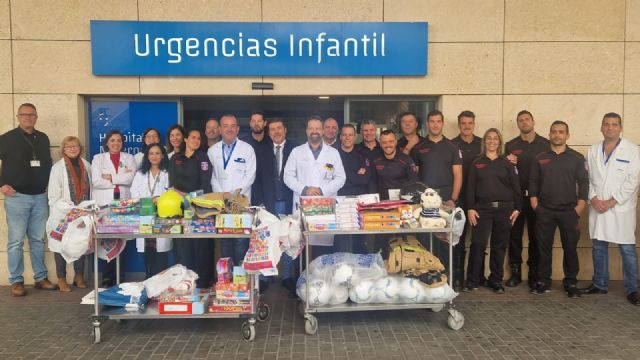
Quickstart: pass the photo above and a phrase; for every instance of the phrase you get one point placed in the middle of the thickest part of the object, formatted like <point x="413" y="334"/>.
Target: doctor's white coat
<point x="327" y="173"/>
<point x="240" y="172"/>
<point x="102" y="191"/>
<point x="618" y="178"/>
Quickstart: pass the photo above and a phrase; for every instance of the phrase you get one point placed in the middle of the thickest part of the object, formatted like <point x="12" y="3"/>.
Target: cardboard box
<point x="234" y="221"/>
<point x="230" y="306"/>
<point x="167" y="229"/>
<point x="185" y="307"/>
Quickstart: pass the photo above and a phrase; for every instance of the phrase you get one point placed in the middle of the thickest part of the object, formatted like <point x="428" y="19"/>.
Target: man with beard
<point x="555" y="176"/>
<point x="521" y="151"/>
<point x="257" y="125"/>
<point x="314" y="169"/>
<point x="392" y="171"/>
<point x="330" y="133"/>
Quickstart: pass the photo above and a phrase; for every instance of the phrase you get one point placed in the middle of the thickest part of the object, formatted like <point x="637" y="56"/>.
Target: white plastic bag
<point x="264" y="246"/>
<point x="177" y="279"/>
<point x="77" y="240"/>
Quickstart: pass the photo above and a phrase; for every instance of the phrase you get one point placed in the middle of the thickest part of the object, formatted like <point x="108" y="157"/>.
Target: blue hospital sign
<point x="258" y="49"/>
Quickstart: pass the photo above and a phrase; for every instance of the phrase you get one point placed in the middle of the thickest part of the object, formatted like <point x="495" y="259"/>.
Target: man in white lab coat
<point x="314" y="169"/>
<point x="614" y="170"/>
<point x="234" y="167"/>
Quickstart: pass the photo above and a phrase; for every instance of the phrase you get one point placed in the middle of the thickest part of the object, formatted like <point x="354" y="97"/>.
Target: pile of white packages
<point x="336" y="278"/>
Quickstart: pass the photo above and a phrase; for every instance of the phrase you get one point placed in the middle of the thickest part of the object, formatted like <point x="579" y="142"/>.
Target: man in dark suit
<point x="269" y="188"/>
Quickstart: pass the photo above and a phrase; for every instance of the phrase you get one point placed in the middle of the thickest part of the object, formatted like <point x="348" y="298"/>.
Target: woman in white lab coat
<point x="69" y="185"/>
<point x="175" y="140"/>
<point x="150" y="136"/>
<point x="151" y="181"/>
<point x="112" y="173"/>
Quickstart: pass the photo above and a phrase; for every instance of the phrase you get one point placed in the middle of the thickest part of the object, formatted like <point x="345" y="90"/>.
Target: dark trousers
<point x="195" y="255"/>
<point x="515" y="242"/>
<point x="155" y="262"/>
<point x="350" y="243"/>
<point x="61" y="266"/>
<point x="493" y="225"/>
<point x="547" y="221"/>
<point x="236" y="249"/>
<point x="109" y="268"/>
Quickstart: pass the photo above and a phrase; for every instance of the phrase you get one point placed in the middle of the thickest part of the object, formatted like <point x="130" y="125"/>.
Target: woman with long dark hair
<point x="151" y="181"/>
<point x="175" y="140"/>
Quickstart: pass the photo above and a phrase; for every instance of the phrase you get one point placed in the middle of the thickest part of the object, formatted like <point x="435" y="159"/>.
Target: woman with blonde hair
<point x="493" y="203"/>
<point x="69" y="185"/>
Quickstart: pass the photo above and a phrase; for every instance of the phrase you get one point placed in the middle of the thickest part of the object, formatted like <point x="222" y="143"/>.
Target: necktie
<point x="278" y="160"/>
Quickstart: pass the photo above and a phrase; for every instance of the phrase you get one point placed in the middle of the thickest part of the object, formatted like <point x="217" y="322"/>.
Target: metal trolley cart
<point x="455" y="319"/>
<point x="259" y="310"/>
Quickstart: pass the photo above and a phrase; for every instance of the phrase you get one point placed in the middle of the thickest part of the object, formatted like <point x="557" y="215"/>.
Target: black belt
<point x="497" y="204"/>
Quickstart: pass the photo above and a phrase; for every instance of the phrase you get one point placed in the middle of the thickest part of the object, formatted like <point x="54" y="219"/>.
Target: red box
<point x="175" y="308"/>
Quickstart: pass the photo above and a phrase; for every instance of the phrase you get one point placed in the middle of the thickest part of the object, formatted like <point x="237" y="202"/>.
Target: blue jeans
<point x="600" y="253"/>
<point x="236" y="249"/>
<point x="26" y="215"/>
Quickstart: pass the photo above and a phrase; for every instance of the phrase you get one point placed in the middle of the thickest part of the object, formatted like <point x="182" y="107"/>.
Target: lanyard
<point x="607" y="157"/>
<point x="225" y="159"/>
<point x="33" y="148"/>
<point x="155" y="183"/>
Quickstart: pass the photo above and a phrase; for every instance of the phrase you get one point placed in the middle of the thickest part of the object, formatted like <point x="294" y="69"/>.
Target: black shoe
<point x="532" y="278"/>
<point x="573" y="292"/>
<point x="633" y="298"/>
<point x="107" y="283"/>
<point x="540" y="289"/>
<point x="483" y="281"/>
<point x="495" y="287"/>
<point x="516" y="276"/>
<point x="469" y="287"/>
<point x="592" y="289"/>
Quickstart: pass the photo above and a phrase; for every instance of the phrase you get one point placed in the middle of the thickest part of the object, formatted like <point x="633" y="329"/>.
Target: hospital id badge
<point x="35" y="163"/>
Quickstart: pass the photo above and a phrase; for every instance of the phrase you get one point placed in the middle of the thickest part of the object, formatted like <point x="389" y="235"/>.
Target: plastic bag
<point x="397" y="289"/>
<point x="264" y="246"/>
<point x="77" y="240"/>
<point x="334" y="276"/>
<point x="176" y="279"/>
<point x="291" y="235"/>
<point x="109" y="249"/>
<point x="131" y="296"/>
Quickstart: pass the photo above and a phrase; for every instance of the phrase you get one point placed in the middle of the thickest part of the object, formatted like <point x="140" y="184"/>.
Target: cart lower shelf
<point x="455" y="321"/>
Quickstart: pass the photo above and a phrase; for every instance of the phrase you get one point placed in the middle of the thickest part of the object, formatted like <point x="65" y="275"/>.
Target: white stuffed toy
<point x="431" y="215"/>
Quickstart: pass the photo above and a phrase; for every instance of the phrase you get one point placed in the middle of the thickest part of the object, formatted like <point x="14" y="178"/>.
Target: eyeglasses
<point x="28" y="115"/>
<point x="72" y="147"/>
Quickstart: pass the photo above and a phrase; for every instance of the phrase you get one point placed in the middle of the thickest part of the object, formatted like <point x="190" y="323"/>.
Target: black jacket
<point x="263" y="191"/>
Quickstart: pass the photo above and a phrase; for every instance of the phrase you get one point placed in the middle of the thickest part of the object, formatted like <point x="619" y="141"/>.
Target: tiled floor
<point x="511" y="326"/>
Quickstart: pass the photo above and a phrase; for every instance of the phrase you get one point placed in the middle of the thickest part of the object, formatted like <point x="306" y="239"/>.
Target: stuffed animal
<point x="431" y="215"/>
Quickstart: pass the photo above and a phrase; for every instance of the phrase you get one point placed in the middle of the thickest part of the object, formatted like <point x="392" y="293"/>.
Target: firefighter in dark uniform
<point x="520" y="151"/>
<point x="469" y="144"/>
<point x="369" y="147"/>
<point x="552" y="186"/>
<point x="360" y="180"/>
<point x="494" y="199"/>
<point x="409" y="126"/>
<point x="439" y="164"/>
<point x="392" y="171"/>
<point x="190" y="171"/>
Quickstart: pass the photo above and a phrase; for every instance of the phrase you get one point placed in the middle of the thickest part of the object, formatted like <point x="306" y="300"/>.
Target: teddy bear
<point x="431" y="216"/>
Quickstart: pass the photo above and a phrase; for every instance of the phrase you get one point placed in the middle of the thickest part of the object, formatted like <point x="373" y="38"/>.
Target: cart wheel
<point x="437" y="308"/>
<point x="455" y="320"/>
<point x="248" y="331"/>
<point x="310" y="324"/>
<point x="264" y="312"/>
<point x="96" y="334"/>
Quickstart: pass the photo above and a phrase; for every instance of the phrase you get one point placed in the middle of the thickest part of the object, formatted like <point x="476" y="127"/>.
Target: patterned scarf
<point x="78" y="183"/>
